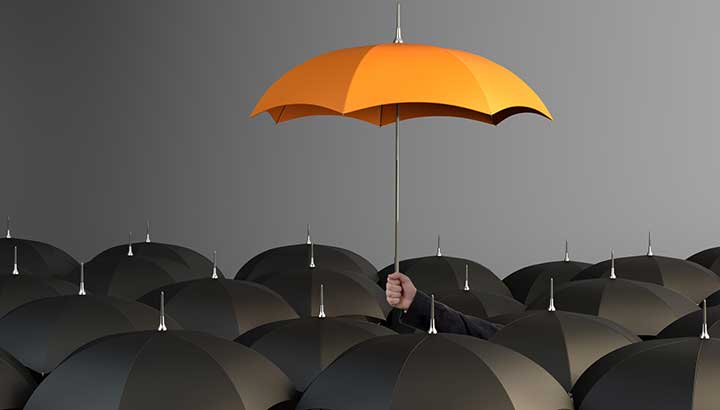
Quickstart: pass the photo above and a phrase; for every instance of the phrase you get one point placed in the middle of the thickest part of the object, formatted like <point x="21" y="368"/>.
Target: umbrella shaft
<point x="397" y="183"/>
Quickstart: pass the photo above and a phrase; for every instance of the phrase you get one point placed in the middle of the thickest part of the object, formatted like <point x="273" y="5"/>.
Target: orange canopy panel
<point x="369" y="82"/>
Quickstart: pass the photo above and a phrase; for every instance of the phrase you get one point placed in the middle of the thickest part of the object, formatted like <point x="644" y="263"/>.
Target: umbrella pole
<point x="397" y="183"/>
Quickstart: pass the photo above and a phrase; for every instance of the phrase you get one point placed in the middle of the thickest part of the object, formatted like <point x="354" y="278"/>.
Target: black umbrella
<point x="33" y="257"/>
<point x="477" y="303"/>
<point x="16" y="290"/>
<point x="345" y="294"/>
<point x="709" y="258"/>
<point x="316" y="342"/>
<point x="641" y="307"/>
<point x="685" y="277"/>
<point x="713" y="299"/>
<point x="17" y="382"/>
<point x="436" y="274"/>
<point x="42" y="333"/>
<point x="295" y="257"/>
<point x="433" y="371"/>
<point x="662" y="374"/>
<point x="694" y="323"/>
<point x="531" y="282"/>
<point x="222" y="307"/>
<point x="563" y="343"/>
<point x="179" y="370"/>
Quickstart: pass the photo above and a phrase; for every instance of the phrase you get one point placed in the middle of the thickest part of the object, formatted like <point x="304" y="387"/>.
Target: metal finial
<point x="551" y="306"/>
<point x="467" y="282"/>
<point x="15" y="262"/>
<point x="81" y="292"/>
<point x="214" y="270"/>
<point x="398" y="32"/>
<point x="612" y="265"/>
<point x="312" y="255"/>
<point x="147" y="231"/>
<point x="162" y="327"/>
<point x="308" y="240"/>
<point x="321" y="314"/>
<point x="438" y="253"/>
<point x="8" y="235"/>
<point x="567" y="252"/>
<point x="649" y="252"/>
<point x="704" y="334"/>
<point x="432" y="330"/>
<point x="130" y="252"/>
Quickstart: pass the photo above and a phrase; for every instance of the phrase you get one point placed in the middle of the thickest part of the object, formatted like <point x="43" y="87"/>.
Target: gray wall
<point x="114" y="112"/>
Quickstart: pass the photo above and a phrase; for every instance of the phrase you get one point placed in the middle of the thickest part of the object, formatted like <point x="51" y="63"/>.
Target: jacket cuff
<point x="418" y="314"/>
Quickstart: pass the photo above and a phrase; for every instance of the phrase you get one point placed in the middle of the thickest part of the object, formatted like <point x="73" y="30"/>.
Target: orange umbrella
<point x="387" y="83"/>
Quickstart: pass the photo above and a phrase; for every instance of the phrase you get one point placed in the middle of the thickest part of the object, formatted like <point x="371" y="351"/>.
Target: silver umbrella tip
<point x="81" y="291"/>
<point x="398" y="31"/>
<point x="312" y="255"/>
<point x="432" y="330"/>
<point x="308" y="239"/>
<point x="551" y="305"/>
<point x="130" y="249"/>
<point x="567" y="252"/>
<point x="15" y="270"/>
<point x="161" y="326"/>
<point x="467" y="278"/>
<point x="649" y="249"/>
<point x="214" y="266"/>
<point x="704" y="334"/>
<point x="147" y="231"/>
<point x="321" y="313"/>
<point x="438" y="252"/>
<point x="612" y="265"/>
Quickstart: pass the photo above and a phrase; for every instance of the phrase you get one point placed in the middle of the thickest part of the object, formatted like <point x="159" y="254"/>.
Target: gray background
<point x="115" y="112"/>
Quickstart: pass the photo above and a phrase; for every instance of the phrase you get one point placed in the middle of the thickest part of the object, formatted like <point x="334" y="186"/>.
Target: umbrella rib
<point x="487" y="102"/>
<point x="695" y="375"/>
<point x="352" y="78"/>
<point x="402" y="366"/>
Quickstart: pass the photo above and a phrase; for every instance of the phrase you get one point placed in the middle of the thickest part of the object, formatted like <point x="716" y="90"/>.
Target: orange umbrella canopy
<point x="369" y="82"/>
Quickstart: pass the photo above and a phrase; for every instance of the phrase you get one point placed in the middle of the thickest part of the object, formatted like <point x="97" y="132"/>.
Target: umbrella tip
<point x="82" y="292"/>
<point x="612" y="265"/>
<point x="130" y="250"/>
<point x="321" y="313"/>
<point x="8" y="235"/>
<point x="15" y="262"/>
<point x="161" y="326"/>
<point x="398" y="31"/>
<point x="649" y="250"/>
<point x="214" y="267"/>
<point x="432" y="330"/>
<point x="147" y="231"/>
<point x="467" y="279"/>
<point x="312" y="255"/>
<point x="551" y="306"/>
<point x="308" y="240"/>
<point x="567" y="252"/>
<point x="704" y="334"/>
<point x="438" y="252"/>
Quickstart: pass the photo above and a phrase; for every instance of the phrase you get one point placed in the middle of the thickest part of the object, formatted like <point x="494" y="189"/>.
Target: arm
<point x="402" y="294"/>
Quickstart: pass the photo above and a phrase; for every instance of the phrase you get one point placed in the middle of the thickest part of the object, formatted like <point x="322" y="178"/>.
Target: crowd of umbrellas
<point x="149" y="325"/>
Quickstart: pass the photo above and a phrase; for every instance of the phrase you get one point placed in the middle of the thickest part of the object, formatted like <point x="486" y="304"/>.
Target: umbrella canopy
<point x="294" y="257"/>
<point x="316" y="342"/>
<point x="693" y="324"/>
<point x="386" y="83"/>
<point x="437" y="274"/>
<point x="179" y="370"/>
<point x="43" y="333"/>
<point x="531" y="282"/>
<point x="16" y="290"/>
<point x="563" y="343"/>
<point x="709" y="258"/>
<point x="713" y="299"/>
<point x="222" y="307"/>
<point x="687" y="278"/>
<point x="663" y="374"/>
<point x="131" y="277"/>
<point x="478" y="303"/>
<point x="440" y="371"/>
<point x="345" y="294"/>
<point x="17" y="382"/>
<point x="641" y="307"/>
<point x="34" y="258"/>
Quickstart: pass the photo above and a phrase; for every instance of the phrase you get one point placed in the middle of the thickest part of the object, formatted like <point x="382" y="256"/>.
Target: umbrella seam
<point x="465" y="67"/>
<point x="697" y="365"/>
<point x="352" y="78"/>
<point x="402" y="366"/>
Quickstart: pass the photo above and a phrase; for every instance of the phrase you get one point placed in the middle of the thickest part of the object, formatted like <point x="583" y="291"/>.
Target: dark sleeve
<point x="447" y="319"/>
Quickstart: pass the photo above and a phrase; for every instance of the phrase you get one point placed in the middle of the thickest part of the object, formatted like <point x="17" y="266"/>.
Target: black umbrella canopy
<point x="16" y="290"/>
<point x="531" y="282"/>
<point x="131" y="277"/>
<point x="154" y="370"/>
<point x="316" y="342"/>
<point x="709" y="258"/>
<point x="34" y="258"/>
<point x="713" y="299"/>
<point x="662" y="374"/>
<point x="694" y="323"/>
<point x="222" y="307"/>
<point x="42" y="333"/>
<point x="436" y="274"/>
<point x="641" y="307"/>
<point x="17" y="382"/>
<point x="687" y="278"/>
<point x="441" y="371"/>
<point x="295" y="257"/>
<point x="345" y="294"/>
<point x="480" y="304"/>
<point x="563" y="343"/>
